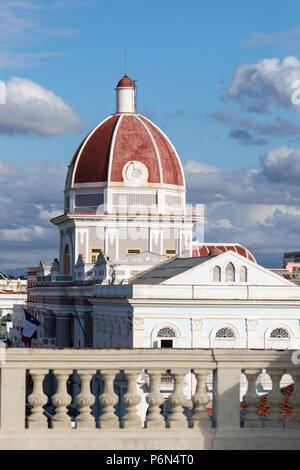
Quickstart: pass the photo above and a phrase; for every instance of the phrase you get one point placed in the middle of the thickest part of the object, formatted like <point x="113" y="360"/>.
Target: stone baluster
<point x="177" y="399"/>
<point x="294" y="421"/>
<point x="131" y="399"/>
<point x="200" y="400"/>
<point x="155" y="420"/>
<point x="85" y="400"/>
<point x="37" y="399"/>
<point x="251" y="399"/>
<point x="61" y="399"/>
<point x="108" y="400"/>
<point x="275" y="399"/>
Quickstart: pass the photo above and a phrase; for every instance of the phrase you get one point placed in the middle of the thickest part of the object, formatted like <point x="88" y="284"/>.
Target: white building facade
<point x="129" y="273"/>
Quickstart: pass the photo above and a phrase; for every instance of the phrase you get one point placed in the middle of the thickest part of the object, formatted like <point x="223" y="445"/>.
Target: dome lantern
<point x="125" y="96"/>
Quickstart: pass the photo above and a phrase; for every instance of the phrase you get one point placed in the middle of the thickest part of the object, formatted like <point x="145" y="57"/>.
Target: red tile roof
<point x="203" y="249"/>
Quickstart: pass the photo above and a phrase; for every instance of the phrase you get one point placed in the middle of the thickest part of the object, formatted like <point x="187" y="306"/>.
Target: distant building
<point x="13" y="294"/>
<point x="291" y="267"/>
<point x="31" y="282"/>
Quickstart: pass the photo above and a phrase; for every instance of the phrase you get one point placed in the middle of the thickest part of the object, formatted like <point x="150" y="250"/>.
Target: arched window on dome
<point x="229" y="273"/>
<point x="243" y="274"/>
<point x="217" y="274"/>
<point x="67" y="264"/>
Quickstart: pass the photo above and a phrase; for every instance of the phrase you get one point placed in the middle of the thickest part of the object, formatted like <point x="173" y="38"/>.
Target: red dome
<point x="125" y="82"/>
<point x="205" y="249"/>
<point x="124" y="138"/>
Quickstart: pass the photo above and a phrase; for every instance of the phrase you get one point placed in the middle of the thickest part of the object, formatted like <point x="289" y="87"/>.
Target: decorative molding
<point x="197" y="325"/>
<point x="138" y="323"/>
<point x="252" y="325"/>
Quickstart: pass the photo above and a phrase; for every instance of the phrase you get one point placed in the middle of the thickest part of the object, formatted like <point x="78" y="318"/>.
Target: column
<point x="12" y="398"/>
<point x="61" y="399"/>
<point x="37" y="399"/>
<point x="85" y="400"/>
<point x="177" y="399"/>
<point x="275" y="399"/>
<point x="228" y="395"/>
<point x="63" y="326"/>
<point x="251" y="399"/>
<point x="138" y="332"/>
<point x="252" y="334"/>
<point x="131" y="399"/>
<point x="79" y="339"/>
<point x="155" y="420"/>
<point x="108" y="399"/>
<point x="197" y="333"/>
<point x="294" y="421"/>
<point x="200" y="400"/>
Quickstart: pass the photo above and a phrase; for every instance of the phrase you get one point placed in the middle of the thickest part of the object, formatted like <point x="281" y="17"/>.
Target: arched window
<point x="279" y="333"/>
<point x="225" y="333"/>
<point x="224" y="336"/>
<point x="243" y="274"/>
<point x="166" y="333"/>
<point x="67" y="261"/>
<point x="217" y="274"/>
<point x="230" y="273"/>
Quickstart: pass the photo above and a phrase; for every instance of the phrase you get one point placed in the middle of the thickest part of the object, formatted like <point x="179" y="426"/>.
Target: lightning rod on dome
<point x="125" y="59"/>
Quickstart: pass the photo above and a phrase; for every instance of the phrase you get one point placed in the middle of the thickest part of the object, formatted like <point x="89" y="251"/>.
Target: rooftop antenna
<point x="125" y="61"/>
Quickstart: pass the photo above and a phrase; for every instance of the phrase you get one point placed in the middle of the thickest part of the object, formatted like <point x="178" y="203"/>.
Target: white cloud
<point x="29" y="197"/>
<point x="31" y="109"/>
<point x="282" y="165"/>
<point x="22" y="234"/>
<point x="258" y="207"/>
<point x="265" y="83"/>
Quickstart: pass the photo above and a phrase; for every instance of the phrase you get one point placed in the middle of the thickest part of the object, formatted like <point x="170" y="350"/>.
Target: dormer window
<point x="230" y="273"/>
<point x="243" y="274"/>
<point x="217" y="274"/>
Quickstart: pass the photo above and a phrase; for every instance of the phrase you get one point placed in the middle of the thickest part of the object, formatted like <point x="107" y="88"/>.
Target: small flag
<point x="30" y="327"/>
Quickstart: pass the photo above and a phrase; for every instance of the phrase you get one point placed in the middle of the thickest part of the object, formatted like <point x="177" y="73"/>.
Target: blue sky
<point x="205" y="76"/>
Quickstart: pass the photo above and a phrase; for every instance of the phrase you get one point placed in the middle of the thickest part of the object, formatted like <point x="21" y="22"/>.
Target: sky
<point x="219" y="78"/>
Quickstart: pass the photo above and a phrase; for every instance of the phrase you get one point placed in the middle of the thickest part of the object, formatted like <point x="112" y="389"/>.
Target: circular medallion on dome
<point x="135" y="173"/>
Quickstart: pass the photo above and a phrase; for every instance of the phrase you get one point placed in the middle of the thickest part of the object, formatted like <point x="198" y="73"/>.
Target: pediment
<point x="202" y="274"/>
<point x="146" y="258"/>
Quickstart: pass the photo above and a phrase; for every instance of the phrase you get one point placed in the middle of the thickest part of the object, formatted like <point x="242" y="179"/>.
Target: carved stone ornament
<point x="252" y="325"/>
<point x="138" y="323"/>
<point x="197" y="324"/>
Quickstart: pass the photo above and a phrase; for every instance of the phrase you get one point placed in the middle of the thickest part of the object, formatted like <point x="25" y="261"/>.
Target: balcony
<point x="126" y="411"/>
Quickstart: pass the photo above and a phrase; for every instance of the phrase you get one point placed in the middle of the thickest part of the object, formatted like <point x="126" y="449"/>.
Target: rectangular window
<point x="94" y="253"/>
<point x="170" y="252"/>
<point x="133" y="251"/>
<point x="89" y="200"/>
<point x="166" y="343"/>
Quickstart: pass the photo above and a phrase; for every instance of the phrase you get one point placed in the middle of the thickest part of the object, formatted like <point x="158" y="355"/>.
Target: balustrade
<point x="145" y="399"/>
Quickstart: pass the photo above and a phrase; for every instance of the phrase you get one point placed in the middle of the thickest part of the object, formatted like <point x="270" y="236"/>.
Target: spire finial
<point x="125" y="57"/>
